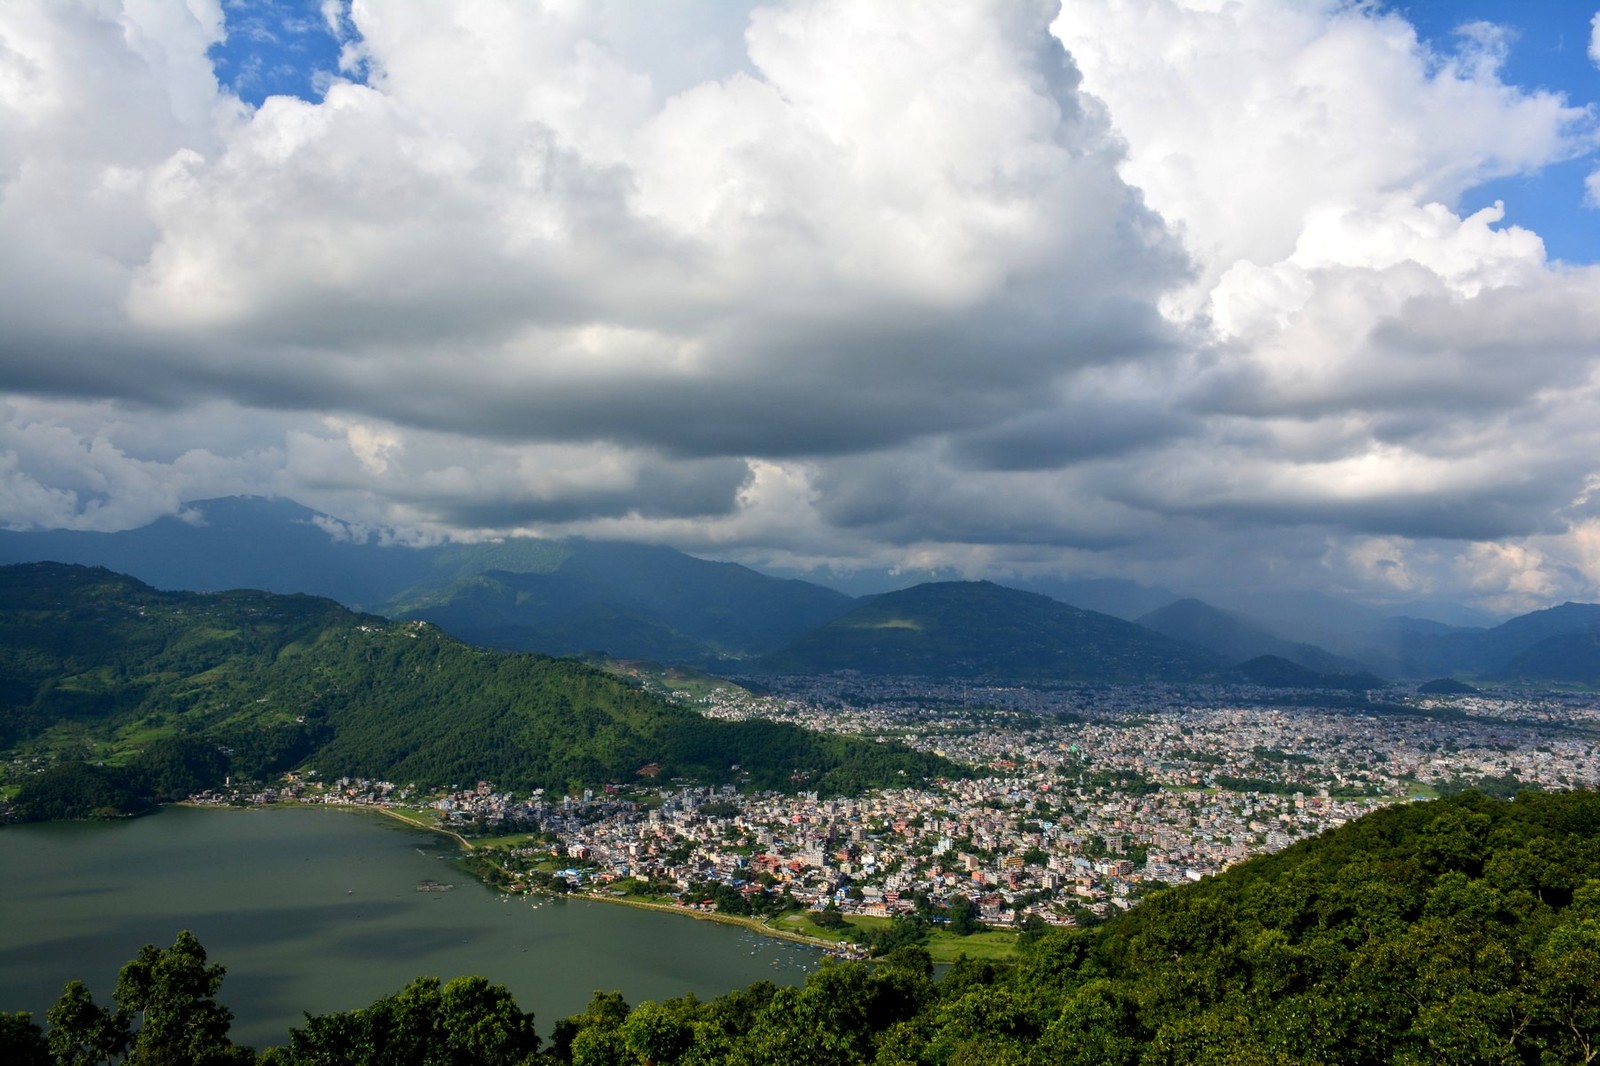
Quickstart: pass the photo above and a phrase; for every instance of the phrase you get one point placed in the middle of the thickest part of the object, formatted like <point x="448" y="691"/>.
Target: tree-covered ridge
<point x="91" y="661"/>
<point x="980" y="629"/>
<point x="1459" y="931"/>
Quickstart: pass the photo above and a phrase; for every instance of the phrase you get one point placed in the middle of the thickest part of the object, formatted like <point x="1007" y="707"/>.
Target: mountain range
<point x="637" y="601"/>
<point x="980" y="629"/>
<point x="128" y="693"/>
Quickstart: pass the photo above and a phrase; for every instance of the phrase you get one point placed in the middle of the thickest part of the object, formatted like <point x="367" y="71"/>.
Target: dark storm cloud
<point x="658" y="490"/>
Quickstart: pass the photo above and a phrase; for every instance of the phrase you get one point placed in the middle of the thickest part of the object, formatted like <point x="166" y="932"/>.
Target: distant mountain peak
<point x="246" y="506"/>
<point x="982" y="629"/>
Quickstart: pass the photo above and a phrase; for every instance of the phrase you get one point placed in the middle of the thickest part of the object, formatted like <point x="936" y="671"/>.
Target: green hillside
<point x="98" y="667"/>
<point x="979" y="629"/>
<point x="1566" y="659"/>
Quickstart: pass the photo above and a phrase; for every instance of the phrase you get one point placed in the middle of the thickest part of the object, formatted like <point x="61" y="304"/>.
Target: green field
<point x="944" y="947"/>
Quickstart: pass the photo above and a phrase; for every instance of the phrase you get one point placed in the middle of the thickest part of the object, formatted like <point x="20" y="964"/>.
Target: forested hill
<point x="1459" y="931"/>
<point x="980" y="629"/>
<point x="175" y="689"/>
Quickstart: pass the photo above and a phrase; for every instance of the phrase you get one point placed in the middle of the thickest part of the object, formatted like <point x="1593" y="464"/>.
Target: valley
<point x="1079" y="803"/>
<point x="956" y="767"/>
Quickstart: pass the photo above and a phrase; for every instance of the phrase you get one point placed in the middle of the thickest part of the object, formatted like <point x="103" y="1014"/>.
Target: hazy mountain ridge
<point x="652" y="602"/>
<point x="1274" y="671"/>
<point x="661" y="602"/>
<point x="237" y="542"/>
<point x="1239" y="640"/>
<point x="526" y="594"/>
<point x="1566" y="658"/>
<point x="1490" y="653"/>
<point x="980" y="629"/>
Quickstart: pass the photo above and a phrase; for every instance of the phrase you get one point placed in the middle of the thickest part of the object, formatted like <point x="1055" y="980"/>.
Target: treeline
<point x="1466" y="930"/>
<point x="265" y="683"/>
<point x="167" y="769"/>
<point x="170" y="768"/>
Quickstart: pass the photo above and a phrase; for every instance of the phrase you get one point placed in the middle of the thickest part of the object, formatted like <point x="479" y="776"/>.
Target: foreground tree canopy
<point x="1465" y="930"/>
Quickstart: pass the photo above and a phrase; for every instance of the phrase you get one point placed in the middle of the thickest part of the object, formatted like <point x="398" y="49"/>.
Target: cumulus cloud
<point x="1168" y="289"/>
<point x="549" y="251"/>
<point x="1377" y="362"/>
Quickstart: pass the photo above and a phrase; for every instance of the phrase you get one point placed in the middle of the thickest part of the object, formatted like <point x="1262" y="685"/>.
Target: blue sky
<point x="276" y="48"/>
<point x="1548" y="49"/>
<point x="1202" y="295"/>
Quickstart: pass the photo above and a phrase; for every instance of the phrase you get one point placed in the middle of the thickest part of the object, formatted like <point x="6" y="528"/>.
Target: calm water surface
<point x="318" y="910"/>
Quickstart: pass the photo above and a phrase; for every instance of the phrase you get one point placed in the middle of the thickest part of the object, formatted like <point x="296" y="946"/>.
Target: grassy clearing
<point x="696" y="684"/>
<point x="994" y="944"/>
<point x="800" y="922"/>
<point x="423" y="817"/>
<point x="944" y="947"/>
<point x="1422" y="789"/>
<point x="513" y="840"/>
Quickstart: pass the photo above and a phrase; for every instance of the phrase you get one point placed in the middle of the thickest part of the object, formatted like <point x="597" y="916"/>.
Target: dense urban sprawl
<point x="1083" y="800"/>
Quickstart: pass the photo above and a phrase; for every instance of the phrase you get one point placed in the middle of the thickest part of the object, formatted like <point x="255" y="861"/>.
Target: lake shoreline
<point x="318" y="913"/>
<point x="754" y="925"/>
<point x="298" y="805"/>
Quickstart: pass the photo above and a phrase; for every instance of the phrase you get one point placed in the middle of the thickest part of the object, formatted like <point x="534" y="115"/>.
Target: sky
<point x="1214" y="296"/>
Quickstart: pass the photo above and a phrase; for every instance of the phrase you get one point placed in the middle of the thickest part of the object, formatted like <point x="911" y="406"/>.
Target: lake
<point x="317" y="910"/>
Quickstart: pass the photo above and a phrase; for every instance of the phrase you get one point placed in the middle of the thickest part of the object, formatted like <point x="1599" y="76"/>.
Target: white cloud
<point x="95" y="466"/>
<point x="1379" y="362"/>
<point x="1244" y="120"/>
<point x="554" y="250"/>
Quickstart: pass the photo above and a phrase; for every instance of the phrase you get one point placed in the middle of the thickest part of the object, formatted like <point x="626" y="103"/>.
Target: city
<point x="1082" y="800"/>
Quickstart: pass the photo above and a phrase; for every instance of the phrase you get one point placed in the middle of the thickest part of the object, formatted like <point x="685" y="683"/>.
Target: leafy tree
<point x="1032" y="931"/>
<point x="168" y="998"/>
<point x="467" y="1022"/>
<point x="657" y="1034"/>
<point x="830" y="917"/>
<point x="483" y="1026"/>
<point x="1568" y="976"/>
<point x="606" y="1012"/>
<point x="963" y="916"/>
<point x="22" y="1043"/>
<point x="83" y="1033"/>
<point x="903" y="930"/>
